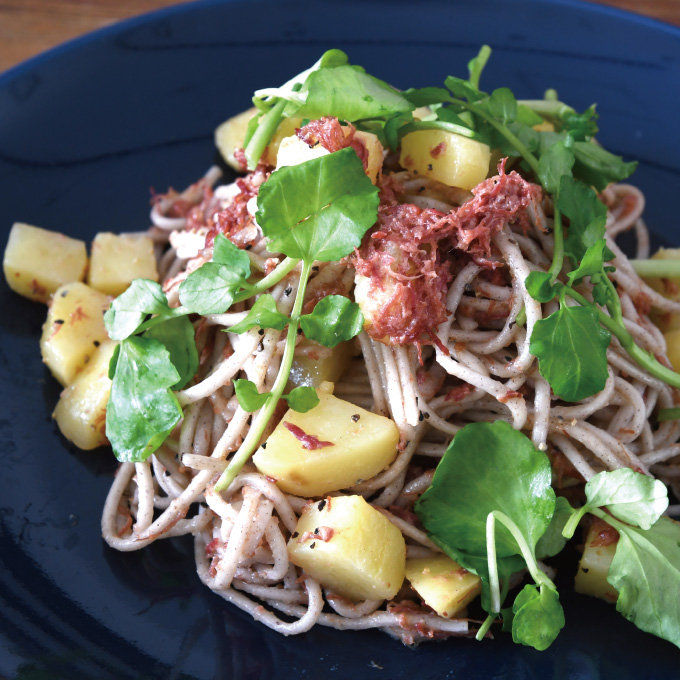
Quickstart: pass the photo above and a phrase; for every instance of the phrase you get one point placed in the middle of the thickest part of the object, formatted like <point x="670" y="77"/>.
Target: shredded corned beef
<point x="235" y="222"/>
<point x="408" y="279"/>
<point x="333" y="136"/>
<point x="410" y="256"/>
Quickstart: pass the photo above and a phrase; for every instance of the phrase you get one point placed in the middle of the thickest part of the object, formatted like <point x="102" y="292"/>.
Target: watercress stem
<point x="527" y="553"/>
<point x="639" y="355"/>
<point x="160" y="318"/>
<point x="252" y="440"/>
<point x="572" y="522"/>
<point x="282" y="270"/>
<point x="558" y="249"/>
<point x="526" y="154"/>
<point x="494" y="583"/>
<point x="265" y="130"/>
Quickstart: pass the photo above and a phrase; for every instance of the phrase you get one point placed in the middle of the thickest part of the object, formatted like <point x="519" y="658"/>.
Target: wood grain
<point x="28" y="27"/>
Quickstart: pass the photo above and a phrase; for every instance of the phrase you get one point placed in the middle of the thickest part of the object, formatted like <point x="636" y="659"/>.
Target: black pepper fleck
<point x="264" y="445"/>
<point x="288" y="291"/>
<point x="311" y="545"/>
<point x="426" y="416"/>
<point x="295" y="534"/>
<point x="355" y="417"/>
<point x="321" y="506"/>
<point x="421" y="416"/>
<point x="261" y="331"/>
<point x="64" y="293"/>
<point x="96" y="343"/>
<point x="59" y="321"/>
<point x="316" y="531"/>
<point x="248" y="247"/>
<point x="315" y="268"/>
<point x="429" y="166"/>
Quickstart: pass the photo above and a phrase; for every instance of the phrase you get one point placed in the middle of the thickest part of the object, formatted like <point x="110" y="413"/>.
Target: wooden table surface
<point x="28" y="27"/>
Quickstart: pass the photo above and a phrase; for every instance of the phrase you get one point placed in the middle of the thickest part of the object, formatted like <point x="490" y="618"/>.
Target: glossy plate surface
<point x="85" y="131"/>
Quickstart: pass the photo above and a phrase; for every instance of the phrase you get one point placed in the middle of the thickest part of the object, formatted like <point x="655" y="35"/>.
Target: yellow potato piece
<point x="81" y="410"/>
<point x="350" y="548"/>
<point x="361" y="444"/>
<point x="445" y="157"/>
<point x="37" y="261"/>
<point x="668" y="287"/>
<point x="591" y="577"/>
<point x="230" y="135"/>
<point x="118" y="260"/>
<point x="74" y="329"/>
<point x="443" y="584"/>
<point x="314" y="364"/>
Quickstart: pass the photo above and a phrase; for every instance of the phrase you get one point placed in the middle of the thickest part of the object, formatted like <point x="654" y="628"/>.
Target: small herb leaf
<point x="538" y="617"/>
<point x="225" y="252"/>
<point x="248" y="397"/>
<point x="128" y="310"/>
<point x="263" y="314"/>
<point x="302" y="399"/>
<point x="630" y="496"/>
<point x="318" y="210"/>
<point x="333" y="320"/>
<point x="210" y="289"/>
<point x="571" y="347"/>
<point x="177" y="336"/>
<point x="142" y="410"/>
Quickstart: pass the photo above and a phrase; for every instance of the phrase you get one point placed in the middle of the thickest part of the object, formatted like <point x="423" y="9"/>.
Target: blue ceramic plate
<point x="85" y="131"/>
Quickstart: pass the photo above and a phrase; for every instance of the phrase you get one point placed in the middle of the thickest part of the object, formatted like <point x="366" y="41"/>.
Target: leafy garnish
<point x="571" y="347"/>
<point x="248" y="397"/>
<point x="177" y="336"/>
<point x="142" y="410"/>
<point x="334" y="319"/>
<point x="225" y="252"/>
<point x="538" y="617"/>
<point x="128" y="310"/>
<point x="210" y="289"/>
<point x="263" y="314"/>
<point x="630" y="496"/>
<point x="318" y="210"/>
<point x="646" y="573"/>
<point x="302" y="399"/>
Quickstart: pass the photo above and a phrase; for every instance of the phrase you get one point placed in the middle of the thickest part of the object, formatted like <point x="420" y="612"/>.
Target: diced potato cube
<point x="314" y="364"/>
<point x="600" y="547"/>
<point x="328" y="448"/>
<point x="443" y="584"/>
<point x="445" y="157"/>
<point x="117" y="260"/>
<point x="74" y="329"/>
<point x="37" y="261"/>
<point x="81" y="410"/>
<point x="293" y="151"/>
<point x="668" y="287"/>
<point x="673" y="348"/>
<point x="350" y="548"/>
<point x="231" y="134"/>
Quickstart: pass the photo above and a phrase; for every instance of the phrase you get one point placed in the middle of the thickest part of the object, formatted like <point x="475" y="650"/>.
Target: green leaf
<point x="333" y="320"/>
<point x="538" y="617"/>
<point x="128" y="310"/>
<point x="587" y="216"/>
<point x="592" y="262"/>
<point x="248" y="397"/>
<point x="426" y="96"/>
<point x="594" y="165"/>
<point x="527" y="117"/>
<point x="540" y="287"/>
<point x="581" y="126"/>
<point x="393" y="126"/>
<point x="630" y="496"/>
<point x="210" y="289"/>
<point x="463" y="89"/>
<point x="476" y="65"/>
<point x="318" y="210"/>
<point x="225" y="252"/>
<point x="350" y="94"/>
<point x="302" y="399"/>
<point x="178" y="337"/>
<point x="503" y="105"/>
<point x="487" y="467"/>
<point x="571" y="347"/>
<point x="142" y="410"/>
<point x="552" y="541"/>
<point x="263" y="314"/>
<point x="556" y="161"/>
<point x="646" y="573"/>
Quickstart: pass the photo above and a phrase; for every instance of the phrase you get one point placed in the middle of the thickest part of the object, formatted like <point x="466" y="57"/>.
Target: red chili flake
<point x="606" y="534"/>
<point x="77" y="315"/>
<point x="308" y="441"/>
<point x="508" y="396"/>
<point x="438" y="150"/>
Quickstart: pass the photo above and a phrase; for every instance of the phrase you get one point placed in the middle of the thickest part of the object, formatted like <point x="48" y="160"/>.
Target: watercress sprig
<point x="317" y="211"/>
